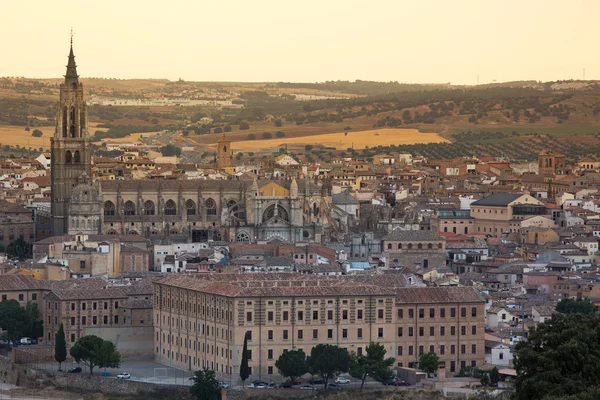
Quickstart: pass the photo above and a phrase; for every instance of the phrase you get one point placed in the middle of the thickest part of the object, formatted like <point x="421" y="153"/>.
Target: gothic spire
<point x="71" y="77"/>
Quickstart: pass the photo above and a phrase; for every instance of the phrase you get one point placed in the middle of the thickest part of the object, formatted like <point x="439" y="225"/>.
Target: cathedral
<point x="177" y="210"/>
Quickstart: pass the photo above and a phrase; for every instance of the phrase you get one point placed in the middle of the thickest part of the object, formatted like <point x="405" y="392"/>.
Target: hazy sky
<point x="307" y="41"/>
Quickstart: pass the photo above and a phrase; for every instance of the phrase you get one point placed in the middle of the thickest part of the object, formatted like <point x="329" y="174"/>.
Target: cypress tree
<point x="60" y="347"/>
<point x="244" y="370"/>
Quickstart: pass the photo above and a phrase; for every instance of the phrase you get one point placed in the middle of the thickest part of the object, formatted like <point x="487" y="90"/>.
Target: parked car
<point x="308" y="387"/>
<point x="224" y="385"/>
<point x="256" y="384"/>
<point x="316" y="381"/>
<point x="295" y="381"/>
<point x="287" y="385"/>
<point x="341" y="379"/>
<point x="333" y="386"/>
<point x="75" y="370"/>
<point x="25" y="341"/>
<point x="396" y="382"/>
<point x="123" y="375"/>
<point x="193" y="378"/>
<point x="273" y="386"/>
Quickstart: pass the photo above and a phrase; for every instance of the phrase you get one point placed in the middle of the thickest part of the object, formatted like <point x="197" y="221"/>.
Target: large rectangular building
<point x="202" y="320"/>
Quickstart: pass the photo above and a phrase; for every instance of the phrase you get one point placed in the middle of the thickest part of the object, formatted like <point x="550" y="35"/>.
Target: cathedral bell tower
<point x="70" y="147"/>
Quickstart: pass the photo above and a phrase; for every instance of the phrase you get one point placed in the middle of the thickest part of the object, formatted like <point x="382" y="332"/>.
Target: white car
<point x="342" y="380"/>
<point x="123" y="375"/>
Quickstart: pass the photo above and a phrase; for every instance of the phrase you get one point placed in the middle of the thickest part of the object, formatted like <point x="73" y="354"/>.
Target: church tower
<point x="70" y="147"/>
<point x="223" y="152"/>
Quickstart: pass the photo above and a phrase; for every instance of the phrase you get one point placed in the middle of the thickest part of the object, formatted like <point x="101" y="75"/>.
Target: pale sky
<point x="420" y="41"/>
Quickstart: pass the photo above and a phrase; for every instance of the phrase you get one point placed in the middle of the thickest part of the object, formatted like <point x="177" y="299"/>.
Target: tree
<point x="19" y="249"/>
<point x="267" y="135"/>
<point x="292" y="364"/>
<point x="327" y="361"/>
<point x="429" y="363"/>
<point x="373" y="364"/>
<point x="20" y="321"/>
<point x="252" y="136"/>
<point x="308" y="147"/>
<point x="494" y="376"/>
<point x="227" y="128"/>
<point x="95" y="352"/>
<point x="218" y="130"/>
<point x="206" y="386"/>
<point x="244" y="369"/>
<point x="570" y="306"/>
<point x="244" y="126"/>
<point x="279" y="134"/>
<point x="561" y="357"/>
<point x="60" y="347"/>
<point x="278" y="123"/>
<point x="485" y="380"/>
<point x="170" y="150"/>
<point x="37" y="133"/>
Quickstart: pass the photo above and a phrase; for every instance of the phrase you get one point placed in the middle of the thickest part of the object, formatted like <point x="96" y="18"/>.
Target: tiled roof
<point x="410" y="236"/>
<point x="86" y="294"/>
<point x="497" y="200"/>
<point x="18" y="282"/>
<point x="456" y="294"/>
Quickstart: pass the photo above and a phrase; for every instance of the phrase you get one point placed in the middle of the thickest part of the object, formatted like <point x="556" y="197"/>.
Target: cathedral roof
<point x="175" y="184"/>
<point x="71" y="77"/>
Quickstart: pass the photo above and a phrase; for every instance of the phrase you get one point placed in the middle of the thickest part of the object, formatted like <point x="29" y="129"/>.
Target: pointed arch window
<point x="190" y="206"/>
<point x="170" y="208"/>
<point x="149" y="208"/>
<point x="243" y="237"/>
<point x="64" y="123"/>
<point x="68" y="157"/>
<point x="72" y="121"/>
<point x="109" y="208"/>
<point x="129" y="208"/>
<point x="211" y="207"/>
<point x="77" y="157"/>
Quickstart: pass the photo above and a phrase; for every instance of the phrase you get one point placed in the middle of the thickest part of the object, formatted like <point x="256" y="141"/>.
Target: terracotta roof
<point x="18" y="282"/>
<point x="86" y="294"/>
<point x="458" y="294"/>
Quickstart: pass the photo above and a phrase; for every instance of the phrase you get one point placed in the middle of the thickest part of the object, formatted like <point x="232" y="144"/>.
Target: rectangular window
<point x="473" y="330"/>
<point x="359" y="314"/>
<point x="359" y="333"/>
<point x="106" y="305"/>
<point x="421" y="313"/>
<point x="380" y="313"/>
<point x="249" y="353"/>
<point x="270" y="334"/>
<point x="72" y="321"/>
<point x="249" y="316"/>
<point x="463" y="330"/>
<point x="400" y="313"/>
<point x="442" y="313"/>
<point x="452" y="312"/>
<point x="34" y="296"/>
<point x="344" y="314"/>
<point x="463" y="349"/>
<point x="421" y="350"/>
<point x="270" y="316"/>
<point x="473" y="312"/>
<point x="421" y="331"/>
<point x="116" y="319"/>
<point x="249" y="335"/>
<point x="286" y="315"/>
<point x="359" y="351"/>
<point x="411" y="313"/>
<point x="94" y="320"/>
<point x="473" y="349"/>
<point x="270" y="354"/>
<point x="432" y="331"/>
<point x="72" y="337"/>
<point x="432" y="313"/>
<point x="105" y="319"/>
<point x="463" y="312"/>
<point x="83" y="305"/>
<point x="431" y="349"/>
<point x="344" y="333"/>
<point x="442" y="330"/>
<point x="94" y="305"/>
<point x="300" y="315"/>
<point x="315" y="315"/>
<point x="399" y="332"/>
<point x="81" y="264"/>
<point x="399" y="350"/>
<point x="329" y="333"/>
<point x="410" y="350"/>
<point x="379" y="332"/>
<point x="83" y="320"/>
<point x="300" y="334"/>
<point x="270" y="370"/>
<point x="315" y="333"/>
<point x="330" y="315"/>
<point x="410" y="331"/>
<point x="442" y="349"/>
<point x="452" y="349"/>
<point x="453" y="363"/>
<point x="285" y="334"/>
<point x="72" y="304"/>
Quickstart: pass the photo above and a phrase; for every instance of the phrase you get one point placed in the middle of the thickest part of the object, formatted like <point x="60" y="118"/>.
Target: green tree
<point x="308" y="147"/>
<point x="227" y="128"/>
<point x="37" y="133"/>
<point x="494" y="376"/>
<point x="570" y="306"/>
<point x="244" y="126"/>
<point x="373" y="364"/>
<point x="485" y="380"/>
<point x="292" y="364"/>
<point x="218" y="130"/>
<point x="60" y="347"/>
<point x="560" y="358"/>
<point x="206" y="386"/>
<point x="244" y="369"/>
<point x="19" y="249"/>
<point x="429" y="362"/>
<point x="170" y="150"/>
<point x="95" y="352"/>
<point x="252" y="136"/>
<point x="267" y="135"/>
<point x="279" y="134"/>
<point x="327" y="361"/>
<point x="19" y="321"/>
<point x="278" y="123"/>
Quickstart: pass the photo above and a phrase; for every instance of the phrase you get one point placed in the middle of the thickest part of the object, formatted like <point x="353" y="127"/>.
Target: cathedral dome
<point x="85" y="191"/>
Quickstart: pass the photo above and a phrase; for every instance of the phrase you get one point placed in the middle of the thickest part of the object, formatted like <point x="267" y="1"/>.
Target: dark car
<point x="295" y="382"/>
<point x="74" y="370"/>
<point x="287" y="385"/>
<point x="316" y="381"/>
<point x="396" y="382"/>
<point x="334" y="386"/>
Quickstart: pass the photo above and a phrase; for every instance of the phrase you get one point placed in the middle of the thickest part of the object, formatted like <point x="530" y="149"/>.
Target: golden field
<point x="17" y="136"/>
<point x="131" y="138"/>
<point x="341" y="141"/>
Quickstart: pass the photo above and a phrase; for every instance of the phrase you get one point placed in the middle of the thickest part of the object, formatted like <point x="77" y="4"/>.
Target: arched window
<point x="149" y="207"/>
<point x="170" y="208"/>
<point x="389" y="246"/>
<point x="271" y="212"/>
<point x="112" y="232"/>
<point x="315" y="210"/>
<point x="429" y="246"/>
<point x="129" y="208"/>
<point x="211" y="207"/>
<point x="419" y="246"/>
<point x="77" y="157"/>
<point x="243" y="237"/>
<point x="72" y="121"/>
<point x="399" y="246"/>
<point x="109" y="208"/>
<point x="466" y="230"/>
<point x="64" y="123"/>
<point x="410" y="246"/>
<point x="445" y="229"/>
<point x="68" y="157"/>
<point x="439" y="245"/>
<point x="454" y="230"/>
<point x="231" y="203"/>
<point x="190" y="206"/>
<point x="132" y="233"/>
